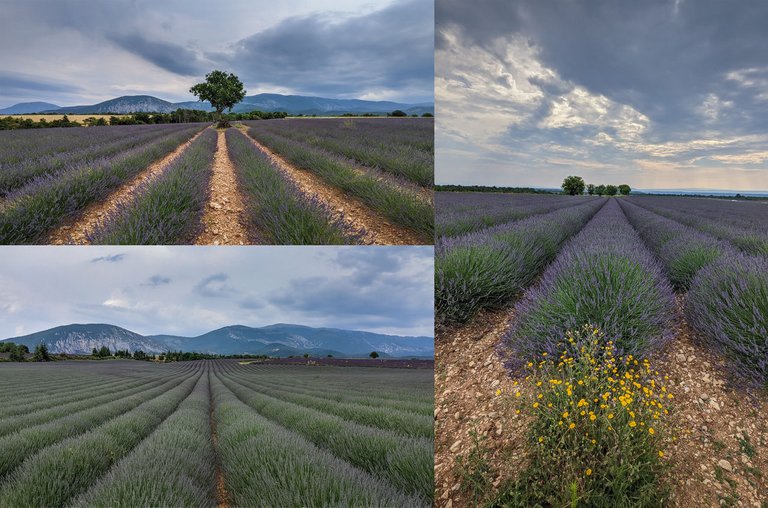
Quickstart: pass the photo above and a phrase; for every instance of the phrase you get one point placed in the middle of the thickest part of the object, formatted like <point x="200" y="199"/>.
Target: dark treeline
<point x="485" y="188"/>
<point x="178" y="116"/>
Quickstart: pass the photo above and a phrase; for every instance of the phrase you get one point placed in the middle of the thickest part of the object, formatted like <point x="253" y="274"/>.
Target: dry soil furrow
<point x="223" y="218"/>
<point x="222" y="495"/>
<point x="76" y="231"/>
<point x="373" y="228"/>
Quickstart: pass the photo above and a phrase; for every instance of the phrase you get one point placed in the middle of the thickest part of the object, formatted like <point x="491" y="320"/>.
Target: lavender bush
<point x="728" y="305"/>
<point x="743" y="224"/>
<point x="275" y="206"/>
<point x="603" y="277"/>
<point x="462" y="212"/>
<point x="682" y="250"/>
<point x="486" y="269"/>
<point x="168" y="210"/>
<point x="30" y="213"/>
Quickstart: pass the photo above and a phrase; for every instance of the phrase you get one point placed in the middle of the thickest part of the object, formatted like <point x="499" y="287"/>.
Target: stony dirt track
<point x="223" y="220"/>
<point x="719" y="455"/>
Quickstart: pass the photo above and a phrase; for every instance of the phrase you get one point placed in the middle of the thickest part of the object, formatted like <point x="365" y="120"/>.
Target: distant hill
<point x="121" y="105"/>
<point x="275" y="340"/>
<point x="292" y="104"/>
<point x="26" y="108"/>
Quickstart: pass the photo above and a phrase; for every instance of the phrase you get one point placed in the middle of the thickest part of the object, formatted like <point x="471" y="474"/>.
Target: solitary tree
<point x="374" y="355"/>
<point x="625" y="189"/>
<point x="222" y="90"/>
<point x="41" y="353"/>
<point x="591" y="189"/>
<point x="611" y="190"/>
<point x="573" y="185"/>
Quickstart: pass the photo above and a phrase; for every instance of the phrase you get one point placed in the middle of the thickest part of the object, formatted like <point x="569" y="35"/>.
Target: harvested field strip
<point x="487" y="269"/>
<point x="405" y="208"/>
<point x="19" y="445"/>
<point x="358" y="219"/>
<point x="168" y="209"/>
<point x="172" y="466"/>
<point x="276" y="208"/>
<point x="224" y="218"/>
<point x="29" y="217"/>
<point x="407" y="424"/>
<point x="290" y="471"/>
<point x="405" y="462"/>
<point x="405" y="161"/>
<point x="79" y="461"/>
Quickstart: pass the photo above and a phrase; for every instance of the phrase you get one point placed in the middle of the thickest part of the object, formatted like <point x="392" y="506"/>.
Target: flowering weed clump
<point x="597" y="437"/>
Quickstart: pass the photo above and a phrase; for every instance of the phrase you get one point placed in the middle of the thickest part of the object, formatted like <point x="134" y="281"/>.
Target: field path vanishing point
<point x="223" y="218"/>
<point x="374" y="228"/>
<point x="77" y="231"/>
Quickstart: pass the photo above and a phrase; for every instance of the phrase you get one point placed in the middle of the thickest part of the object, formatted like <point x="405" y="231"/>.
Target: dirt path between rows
<point x="719" y="455"/>
<point x="222" y="496"/>
<point x="77" y="230"/>
<point x="373" y="228"/>
<point x="223" y="219"/>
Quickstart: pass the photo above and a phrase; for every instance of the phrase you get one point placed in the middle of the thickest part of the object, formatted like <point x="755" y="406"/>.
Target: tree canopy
<point x="573" y="185"/>
<point x="222" y="90"/>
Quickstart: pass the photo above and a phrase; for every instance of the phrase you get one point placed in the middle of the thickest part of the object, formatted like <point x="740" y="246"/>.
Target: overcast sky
<point x="656" y="94"/>
<point x="85" y="51"/>
<point x="193" y="290"/>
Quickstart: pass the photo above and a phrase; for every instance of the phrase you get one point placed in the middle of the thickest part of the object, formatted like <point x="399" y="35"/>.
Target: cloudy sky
<point x="85" y="51"/>
<point x="193" y="290"/>
<point x="657" y="94"/>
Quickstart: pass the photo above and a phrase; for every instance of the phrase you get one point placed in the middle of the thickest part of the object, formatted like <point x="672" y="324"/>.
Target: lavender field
<point x="296" y="181"/>
<point x="598" y="330"/>
<point x="214" y="432"/>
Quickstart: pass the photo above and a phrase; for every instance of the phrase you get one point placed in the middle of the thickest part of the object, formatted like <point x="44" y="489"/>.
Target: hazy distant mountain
<point x="26" y="108"/>
<point x="292" y="104"/>
<point x="299" y="104"/>
<point x="81" y="339"/>
<point x="274" y="340"/>
<point x="121" y="105"/>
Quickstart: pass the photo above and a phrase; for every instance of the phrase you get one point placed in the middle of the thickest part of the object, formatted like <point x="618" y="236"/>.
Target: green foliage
<point x="374" y="355"/>
<point x="611" y="190"/>
<point x="473" y="469"/>
<point x="18" y="352"/>
<point x="398" y="112"/>
<point x="625" y="189"/>
<point x="222" y="90"/>
<point x="600" y="190"/>
<point x="41" y="353"/>
<point x="573" y="185"/>
<point x="599" y="421"/>
<point x="591" y="189"/>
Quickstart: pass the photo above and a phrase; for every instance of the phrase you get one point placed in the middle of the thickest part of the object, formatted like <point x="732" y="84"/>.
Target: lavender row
<point x="604" y="277"/>
<point x="745" y="225"/>
<point x="15" y="176"/>
<point x="274" y="206"/>
<point x="487" y="268"/>
<point x="27" y="216"/>
<point x="462" y="212"/>
<point x="728" y="305"/>
<point x="682" y="250"/>
<point x="398" y="159"/>
<point x="166" y="211"/>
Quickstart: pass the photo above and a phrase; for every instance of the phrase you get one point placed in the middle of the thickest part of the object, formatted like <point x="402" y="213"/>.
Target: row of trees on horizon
<point x="575" y="186"/>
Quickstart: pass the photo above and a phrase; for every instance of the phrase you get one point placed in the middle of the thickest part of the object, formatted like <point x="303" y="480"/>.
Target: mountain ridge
<point x="279" y="339"/>
<point x="267" y="102"/>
